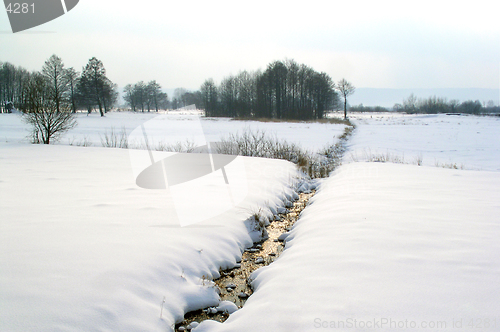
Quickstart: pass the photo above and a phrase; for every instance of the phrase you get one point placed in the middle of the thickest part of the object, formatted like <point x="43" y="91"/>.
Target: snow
<point x="178" y="127"/>
<point x="389" y="246"/>
<point x="227" y="306"/>
<point x="384" y="244"/>
<point x="470" y="142"/>
<point x="83" y="248"/>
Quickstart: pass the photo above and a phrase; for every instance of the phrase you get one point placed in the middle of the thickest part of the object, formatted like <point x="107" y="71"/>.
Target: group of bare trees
<point x="183" y="97"/>
<point x="145" y="96"/>
<point x="141" y="96"/>
<point x="12" y="82"/>
<point x="285" y="90"/>
<point x="91" y="89"/>
<point x="434" y="105"/>
<point x="50" y="98"/>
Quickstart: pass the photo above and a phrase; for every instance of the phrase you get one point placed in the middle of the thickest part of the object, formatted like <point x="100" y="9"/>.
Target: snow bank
<point x="385" y="247"/>
<point x="82" y="248"/>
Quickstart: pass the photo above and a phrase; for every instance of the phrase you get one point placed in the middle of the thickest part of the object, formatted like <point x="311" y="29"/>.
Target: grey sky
<point x="379" y="44"/>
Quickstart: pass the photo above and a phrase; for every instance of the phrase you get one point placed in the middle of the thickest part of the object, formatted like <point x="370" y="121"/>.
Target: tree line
<point x="64" y="89"/>
<point x="141" y="97"/>
<point x="285" y="90"/>
<point x="434" y="105"/>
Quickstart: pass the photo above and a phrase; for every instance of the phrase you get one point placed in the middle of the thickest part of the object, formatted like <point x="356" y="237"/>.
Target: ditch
<point x="234" y="284"/>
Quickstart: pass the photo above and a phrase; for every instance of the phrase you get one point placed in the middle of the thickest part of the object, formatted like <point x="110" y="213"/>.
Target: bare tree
<point x="129" y="96"/>
<point x="48" y="118"/>
<point x="140" y="92"/>
<point x="72" y="77"/>
<point x="54" y="72"/>
<point x="154" y="94"/>
<point x="162" y="99"/>
<point x="346" y="89"/>
<point x="178" y="93"/>
<point x="109" y="94"/>
<point x="95" y="87"/>
<point x="210" y="97"/>
<point x="410" y="104"/>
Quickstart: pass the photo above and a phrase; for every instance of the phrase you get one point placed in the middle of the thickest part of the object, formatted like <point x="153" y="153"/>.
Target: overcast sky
<point x="378" y="44"/>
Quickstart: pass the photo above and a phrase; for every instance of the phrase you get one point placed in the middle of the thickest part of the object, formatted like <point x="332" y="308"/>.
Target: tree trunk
<point x="100" y="108"/>
<point x="345" y="108"/>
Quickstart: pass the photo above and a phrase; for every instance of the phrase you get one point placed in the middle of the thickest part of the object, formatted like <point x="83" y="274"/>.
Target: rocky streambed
<point x="234" y="285"/>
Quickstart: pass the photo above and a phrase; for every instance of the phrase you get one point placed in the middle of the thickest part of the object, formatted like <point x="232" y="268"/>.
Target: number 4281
<point x="20" y="8"/>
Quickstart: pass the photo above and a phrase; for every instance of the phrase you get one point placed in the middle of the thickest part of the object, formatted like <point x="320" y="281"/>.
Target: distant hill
<point x="389" y="97"/>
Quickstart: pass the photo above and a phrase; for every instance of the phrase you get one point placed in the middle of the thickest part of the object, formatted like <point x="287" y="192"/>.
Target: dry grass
<point x="253" y="144"/>
<point x="325" y="120"/>
<point x="387" y="157"/>
<point x="259" y="144"/>
<point x="115" y="139"/>
<point x="181" y="147"/>
<point x="449" y="165"/>
<point x="86" y="142"/>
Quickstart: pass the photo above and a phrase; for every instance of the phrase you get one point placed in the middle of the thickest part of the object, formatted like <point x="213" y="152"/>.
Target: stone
<point x="242" y="295"/>
<point x="282" y="237"/>
<point x="282" y="210"/>
<point x="227" y="307"/>
<point x="192" y="325"/>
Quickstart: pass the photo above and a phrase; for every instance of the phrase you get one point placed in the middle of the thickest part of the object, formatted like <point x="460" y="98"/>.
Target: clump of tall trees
<point x="141" y="96"/>
<point x="95" y="89"/>
<point x="285" y="90"/>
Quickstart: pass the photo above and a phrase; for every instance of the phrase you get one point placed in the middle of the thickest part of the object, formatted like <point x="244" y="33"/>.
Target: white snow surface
<point x="382" y="246"/>
<point x="385" y="247"/>
<point x="467" y="141"/>
<point x="177" y="127"/>
<point x="84" y="249"/>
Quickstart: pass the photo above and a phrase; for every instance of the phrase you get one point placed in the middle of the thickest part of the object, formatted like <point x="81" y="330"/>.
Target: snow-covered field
<point x="381" y="247"/>
<point x="177" y="127"/>
<point x="469" y="142"/>
<point x="385" y="247"/>
<point x="83" y="248"/>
